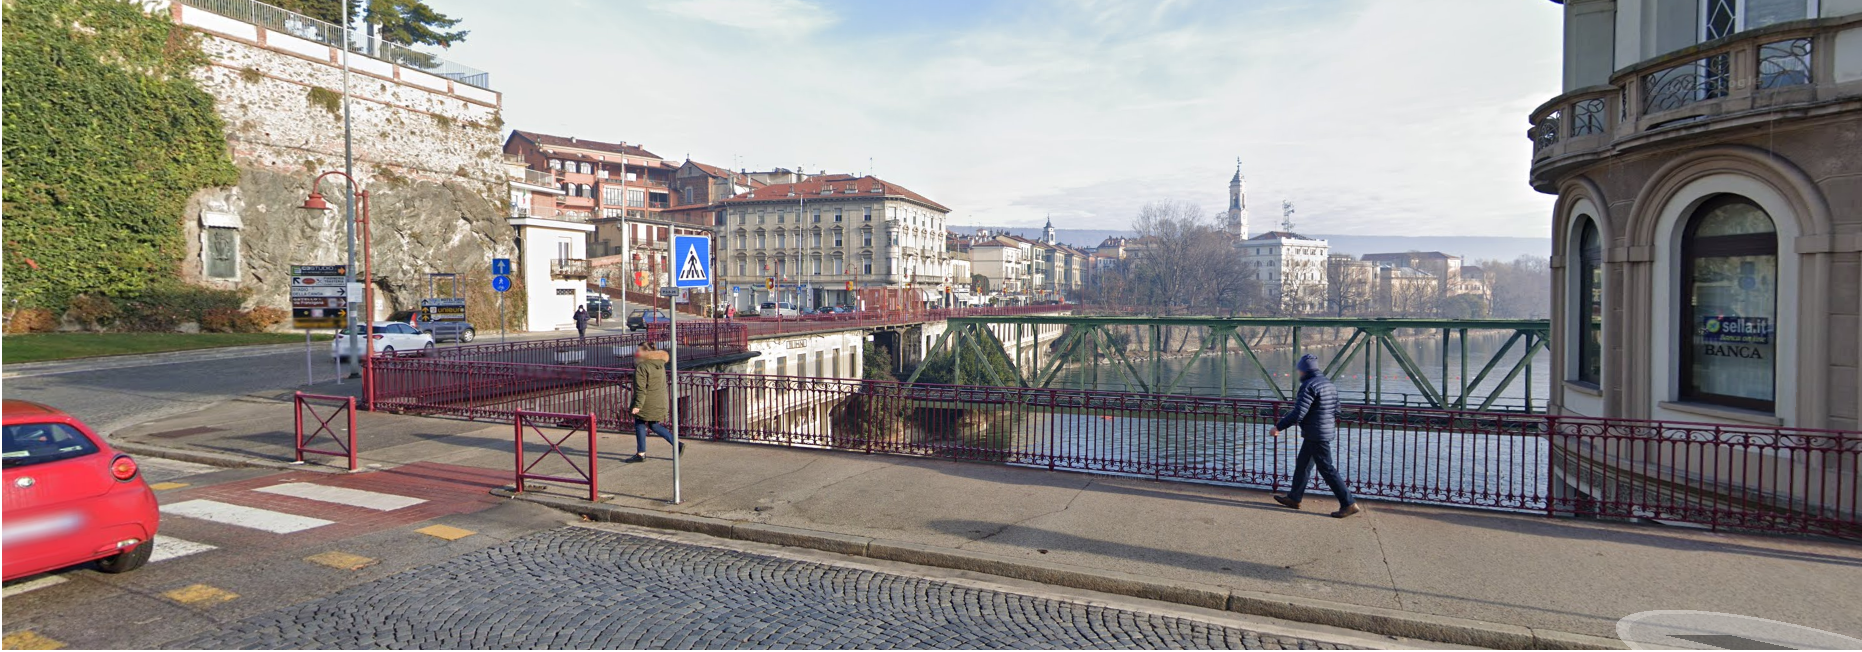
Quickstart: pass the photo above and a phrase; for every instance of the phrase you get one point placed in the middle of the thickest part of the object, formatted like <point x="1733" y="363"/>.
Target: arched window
<point x="1729" y="305"/>
<point x="1587" y="312"/>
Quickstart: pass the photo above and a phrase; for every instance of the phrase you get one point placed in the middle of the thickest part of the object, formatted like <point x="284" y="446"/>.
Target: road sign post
<point x="501" y="281"/>
<point x="693" y="254"/>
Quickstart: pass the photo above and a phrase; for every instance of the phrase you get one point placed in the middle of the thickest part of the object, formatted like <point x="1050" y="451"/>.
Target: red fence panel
<point x="343" y="407"/>
<point x="527" y="423"/>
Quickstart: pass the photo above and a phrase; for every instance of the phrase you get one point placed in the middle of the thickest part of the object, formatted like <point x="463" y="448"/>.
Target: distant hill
<point x="1470" y="248"/>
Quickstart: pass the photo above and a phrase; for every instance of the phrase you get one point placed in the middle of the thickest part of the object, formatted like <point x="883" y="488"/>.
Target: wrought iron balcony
<point x="1744" y="79"/>
<point x="569" y="268"/>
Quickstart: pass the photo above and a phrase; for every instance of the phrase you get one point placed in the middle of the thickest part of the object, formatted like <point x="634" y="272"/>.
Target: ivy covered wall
<point x="107" y="136"/>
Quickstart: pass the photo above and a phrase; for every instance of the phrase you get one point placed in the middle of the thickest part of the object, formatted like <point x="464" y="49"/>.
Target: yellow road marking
<point x="341" y="560"/>
<point x="446" y="532"/>
<point x="28" y="640"/>
<point x="200" y="594"/>
<point x="164" y="486"/>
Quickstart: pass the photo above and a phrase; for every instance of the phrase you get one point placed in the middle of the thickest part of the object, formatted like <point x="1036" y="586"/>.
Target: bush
<point x="230" y="320"/>
<point x="31" y="320"/>
<point x="93" y="312"/>
<point x="263" y="318"/>
<point x="166" y="309"/>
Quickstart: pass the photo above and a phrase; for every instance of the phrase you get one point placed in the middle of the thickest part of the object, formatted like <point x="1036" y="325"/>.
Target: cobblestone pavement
<point x="576" y="587"/>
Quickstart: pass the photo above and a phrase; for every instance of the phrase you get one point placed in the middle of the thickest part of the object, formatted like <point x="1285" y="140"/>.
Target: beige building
<point x="1707" y="158"/>
<point x="1291" y="269"/>
<point x="810" y="240"/>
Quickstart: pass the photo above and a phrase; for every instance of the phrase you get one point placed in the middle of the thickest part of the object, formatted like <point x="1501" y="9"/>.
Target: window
<point x="1587" y="322"/>
<point x="869" y="214"/>
<point x="1720" y="18"/>
<point x="866" y="264"/>
<point x="1729" y="302"/>
<point x="837" y="266"/>
<point x="636" y="198"/>
<point x="781" y="216"/>
<point x="222" y="253"/>
<point x="743" y="242"/>
<point x="837" y="238"/>
<point x="741" y="267"/>
<point x="611" y="194"/>
<point x="555" y="164"/>
<point x="866" y="238"/>
<point x="35" y="443"/>
<point x="759" y="240"/>
<point x="837" y="214"/>
<point x="781" y="240"/>
<point x="817" y="239"/>
<point x="817" y="216"/>
<point x="815" y="264"/>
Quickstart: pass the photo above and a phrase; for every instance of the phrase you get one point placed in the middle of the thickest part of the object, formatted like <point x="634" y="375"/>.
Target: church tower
<point x="1047" y="232"/>
<point x="1238" y="205"/>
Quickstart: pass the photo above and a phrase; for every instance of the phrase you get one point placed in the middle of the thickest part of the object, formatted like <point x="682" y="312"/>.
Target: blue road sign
<point x="501" y="267"/>
<point x="604" y="281"/>
<point x="694" y="255"/>
<point x="501" y="283"/>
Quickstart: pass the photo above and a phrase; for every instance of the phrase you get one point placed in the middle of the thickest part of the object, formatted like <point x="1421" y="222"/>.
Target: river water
<point x="1203" y="376"/>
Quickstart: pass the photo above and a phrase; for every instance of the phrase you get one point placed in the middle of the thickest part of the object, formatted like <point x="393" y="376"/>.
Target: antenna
<point x="1286" y="215"/>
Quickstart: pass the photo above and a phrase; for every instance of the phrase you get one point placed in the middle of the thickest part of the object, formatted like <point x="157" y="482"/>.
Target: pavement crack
<point x="1004" y="528"/>
<point x="1384" y="554"/>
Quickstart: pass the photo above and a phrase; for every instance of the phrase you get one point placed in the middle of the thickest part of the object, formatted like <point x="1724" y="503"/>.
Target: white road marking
<point x="251" y="517"/>
<point x="167" y="548"/>
<point x="34" y="585"/>
<point x="352" y="497"/>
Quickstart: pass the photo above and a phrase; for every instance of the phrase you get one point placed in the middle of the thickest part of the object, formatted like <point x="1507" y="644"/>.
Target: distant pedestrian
<point x="1315" y="411"/>
<point x="651" y="405"/>
<point x="581" y="321"/>
<point x="730" y="313"/>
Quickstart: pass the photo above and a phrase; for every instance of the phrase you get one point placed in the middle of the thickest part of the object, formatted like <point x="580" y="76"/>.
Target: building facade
<point x="818" y="241"/>
<point x="552" y="254"/>
<point x="1707" y="238"/>
<point x="1290" y="268"/>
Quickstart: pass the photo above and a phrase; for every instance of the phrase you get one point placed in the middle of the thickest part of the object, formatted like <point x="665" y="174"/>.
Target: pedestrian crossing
<point x="271" y="521"/>
<point x="341" y="496"/>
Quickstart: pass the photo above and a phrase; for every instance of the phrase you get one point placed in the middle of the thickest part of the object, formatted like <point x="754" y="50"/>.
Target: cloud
<point x="787" y="18"/>
<point x="1374" y="117"/>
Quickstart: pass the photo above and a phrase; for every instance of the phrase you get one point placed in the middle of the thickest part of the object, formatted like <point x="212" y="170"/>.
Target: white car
<point x="389" y="338"/>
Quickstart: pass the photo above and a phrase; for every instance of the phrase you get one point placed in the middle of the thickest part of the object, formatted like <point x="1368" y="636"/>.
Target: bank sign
<point x="1737" y="330"/>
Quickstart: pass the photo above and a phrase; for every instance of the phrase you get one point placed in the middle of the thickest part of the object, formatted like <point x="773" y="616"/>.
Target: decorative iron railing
<point x="1724" y="477"/>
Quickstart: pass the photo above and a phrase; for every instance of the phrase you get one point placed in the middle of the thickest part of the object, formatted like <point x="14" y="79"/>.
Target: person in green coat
<point x="651" y="405"/>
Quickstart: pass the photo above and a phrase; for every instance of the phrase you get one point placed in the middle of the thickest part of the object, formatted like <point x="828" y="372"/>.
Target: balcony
<point x="1750" y="78"/>
<point x="569" y="268"/>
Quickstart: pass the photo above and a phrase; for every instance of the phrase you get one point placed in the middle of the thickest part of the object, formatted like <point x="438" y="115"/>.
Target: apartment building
<point x="1290" y="269"/>
<point x="819" y="240"/>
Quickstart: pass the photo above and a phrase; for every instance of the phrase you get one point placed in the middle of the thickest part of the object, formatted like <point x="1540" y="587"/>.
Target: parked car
<point x="826" y="310"/>
<point x="600" y="306"/>
<point x="441" y="329"/>
<point x="389" y="338"/>
<point x="642" y="318"/>
<point x="70" y="497"/>
<point x="778" y="309"/>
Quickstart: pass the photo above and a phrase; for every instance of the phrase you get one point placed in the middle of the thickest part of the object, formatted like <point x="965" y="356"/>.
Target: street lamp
<point x="316" y="203"/>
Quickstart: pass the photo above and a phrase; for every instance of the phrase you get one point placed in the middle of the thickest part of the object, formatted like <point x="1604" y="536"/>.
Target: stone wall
<point x="426" y="148"/>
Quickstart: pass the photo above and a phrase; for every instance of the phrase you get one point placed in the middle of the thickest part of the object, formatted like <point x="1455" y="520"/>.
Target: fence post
<point x="594" y="473"/>
<point x="297" y="414"/>
<point x="1551" y="456"/>
<point x="518" y="428"/>
<point x="351" y="407"/>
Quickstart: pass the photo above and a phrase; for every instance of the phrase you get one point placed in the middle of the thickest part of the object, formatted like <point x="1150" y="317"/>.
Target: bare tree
<point x="1522" y="289"/>
<point x="1349" y="286"/>
<point x="1183" y="261"/>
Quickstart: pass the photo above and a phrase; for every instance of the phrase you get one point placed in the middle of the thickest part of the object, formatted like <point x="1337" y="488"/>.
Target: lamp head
<point x="315" y="202"/>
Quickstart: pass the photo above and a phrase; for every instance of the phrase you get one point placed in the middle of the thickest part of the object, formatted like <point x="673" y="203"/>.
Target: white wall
<point x="548" y="310"/>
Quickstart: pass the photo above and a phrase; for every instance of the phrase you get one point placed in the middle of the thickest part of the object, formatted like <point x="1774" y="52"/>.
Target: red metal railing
<point x="533" y="423"/>
<point x="1755" y="478"/>
<point x="339" y="406"/>
<point x="698" y="339"/>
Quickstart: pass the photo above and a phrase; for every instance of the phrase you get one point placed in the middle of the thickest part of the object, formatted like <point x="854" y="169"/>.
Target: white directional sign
<point x="694" y="255"/>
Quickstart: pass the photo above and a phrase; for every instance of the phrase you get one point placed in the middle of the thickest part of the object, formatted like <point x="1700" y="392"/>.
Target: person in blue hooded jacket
<point x="1315" y="411"/>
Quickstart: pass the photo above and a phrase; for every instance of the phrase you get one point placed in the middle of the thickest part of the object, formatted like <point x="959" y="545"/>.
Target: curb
<point x="197" y="457"/>
<point x="1374" y="620"/>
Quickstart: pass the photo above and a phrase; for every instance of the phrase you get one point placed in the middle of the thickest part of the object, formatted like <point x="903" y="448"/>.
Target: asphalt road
<point x="111" y="397"/>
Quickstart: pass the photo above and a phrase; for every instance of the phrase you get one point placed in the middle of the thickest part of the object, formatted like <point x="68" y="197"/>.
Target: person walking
<point x="581" y="321"/>
<point x="1315" y="411"/>
<point x="650" y="406"/>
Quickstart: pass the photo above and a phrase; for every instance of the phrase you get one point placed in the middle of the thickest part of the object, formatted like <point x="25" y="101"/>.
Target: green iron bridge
<point x="1131" y="351"/>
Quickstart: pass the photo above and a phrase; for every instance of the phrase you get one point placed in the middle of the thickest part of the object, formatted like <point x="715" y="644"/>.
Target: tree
<point x="329" y="11"/>
<point x="1349" y="285"/>
<point x="1522" y="289"/>
<point x="411" y="22"/>
<point x="1184" y="261"/>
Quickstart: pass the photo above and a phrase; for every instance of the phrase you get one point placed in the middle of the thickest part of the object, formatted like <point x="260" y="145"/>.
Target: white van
<point x="778" y="309"/>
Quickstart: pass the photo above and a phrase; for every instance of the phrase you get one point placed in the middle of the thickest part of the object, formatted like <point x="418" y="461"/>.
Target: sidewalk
<point x="1407" y="564"/>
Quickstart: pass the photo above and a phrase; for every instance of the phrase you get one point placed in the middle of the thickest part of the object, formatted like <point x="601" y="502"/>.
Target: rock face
<point x="426" y="149"/>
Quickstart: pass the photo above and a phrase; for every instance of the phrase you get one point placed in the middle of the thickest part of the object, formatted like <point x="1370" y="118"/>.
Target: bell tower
<point x="1238" y="205"/>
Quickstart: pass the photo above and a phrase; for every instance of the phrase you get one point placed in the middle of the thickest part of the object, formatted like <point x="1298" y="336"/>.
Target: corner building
<point x="1707" y="238"/>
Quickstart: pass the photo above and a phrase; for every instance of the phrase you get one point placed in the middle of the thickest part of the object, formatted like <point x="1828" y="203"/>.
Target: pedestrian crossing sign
<point x="694" y="255"/>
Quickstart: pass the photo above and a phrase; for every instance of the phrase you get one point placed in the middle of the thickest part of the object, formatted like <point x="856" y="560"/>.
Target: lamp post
<point x="316" y="203"/>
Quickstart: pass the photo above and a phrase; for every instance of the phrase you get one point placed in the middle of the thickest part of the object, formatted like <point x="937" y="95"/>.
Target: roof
<point x="811" y="189"/>
<point x="546" y="140"/>
<point x="1406" y="255"/>
<point x="1282" y="235"/>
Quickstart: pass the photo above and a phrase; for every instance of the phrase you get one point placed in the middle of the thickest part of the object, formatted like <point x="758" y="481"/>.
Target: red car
<point x="70" y="498"/>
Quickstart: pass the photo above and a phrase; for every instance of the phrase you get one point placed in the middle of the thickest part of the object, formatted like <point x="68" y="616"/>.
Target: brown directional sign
<point x="319" y="296"/>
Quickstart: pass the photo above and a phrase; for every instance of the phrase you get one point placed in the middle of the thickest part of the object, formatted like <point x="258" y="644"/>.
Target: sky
<point x="1374" y="117"/>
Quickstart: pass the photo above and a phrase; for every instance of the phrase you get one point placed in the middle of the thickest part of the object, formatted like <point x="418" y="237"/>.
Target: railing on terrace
<point x="540" y="178"/>
<point x="569" y="268"/>
<point x="1773" y="68"/>
<point x="1724" y="477"/>
<point x="311" y="29"/>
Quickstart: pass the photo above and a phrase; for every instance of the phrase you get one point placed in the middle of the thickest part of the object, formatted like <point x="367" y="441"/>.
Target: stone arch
<point x="1809" y="208"/>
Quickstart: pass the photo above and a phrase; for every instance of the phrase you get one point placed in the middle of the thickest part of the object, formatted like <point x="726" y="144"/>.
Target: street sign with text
<point x="319" y="296"/>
